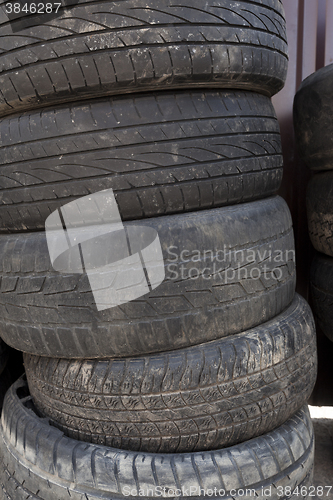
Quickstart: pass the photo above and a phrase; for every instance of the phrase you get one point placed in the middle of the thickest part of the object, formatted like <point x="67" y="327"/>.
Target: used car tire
<point x="226" y="270"/>
<point x="201" y="398"/>
<point x="116" y="47"/>
<point x="160" y="154"/>
<point x="321" y="280"/>
<point x="37" y="460"/>
<point x="313" y="108"/>
<point x="320" y="212"/>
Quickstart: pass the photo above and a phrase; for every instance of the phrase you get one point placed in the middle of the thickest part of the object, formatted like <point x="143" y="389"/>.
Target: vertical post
<point x="310" y="37"/>
<point x="329" y="33"/>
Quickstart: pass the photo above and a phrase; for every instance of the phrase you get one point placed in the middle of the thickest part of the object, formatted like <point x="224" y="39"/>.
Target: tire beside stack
<point x="202" y="382"/>
<point x="312" y="118"/>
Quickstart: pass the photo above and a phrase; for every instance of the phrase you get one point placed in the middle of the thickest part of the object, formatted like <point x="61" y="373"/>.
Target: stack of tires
<point x="199" y="386"/>
<point x="313" y="107"/>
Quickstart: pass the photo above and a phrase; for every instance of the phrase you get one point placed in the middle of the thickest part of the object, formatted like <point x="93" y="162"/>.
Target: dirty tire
<point x="160" y="154"/>
<point x="51" y="314"/>
<point x="200" y="398"/>
<point x="313" y="108"/>
<point x="321" y="279"/>
<point x="122" y="46"/>
<point x="320" y="212"/>
<point x="38" y="460"/>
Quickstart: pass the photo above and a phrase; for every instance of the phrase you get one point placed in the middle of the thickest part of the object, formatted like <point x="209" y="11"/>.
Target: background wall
<point x="310" y="38"/>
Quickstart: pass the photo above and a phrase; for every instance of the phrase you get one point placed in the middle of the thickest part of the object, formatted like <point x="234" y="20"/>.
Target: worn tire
<point x="313" y="108"/>
<point x="116" y="47"/>
<point x="320" y="212"/>
<point x="160" y="154"/>
<point x="201" y="398"/>
<point x="321" y="279"/>
<point x="51" y="314"/>
<point x="39" y="461"/>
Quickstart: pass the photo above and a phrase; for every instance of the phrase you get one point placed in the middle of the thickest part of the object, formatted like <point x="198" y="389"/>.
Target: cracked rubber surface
<point x="313" y="108"/>
<point x="321" y="280"/>
<point x="234" y="287"/>
<point x="160" y="154"/>
<point x="201" y="398"/>
<point x="116" y="47"/>
<point x="320" y="212"/>
<point x="38" y="460"/>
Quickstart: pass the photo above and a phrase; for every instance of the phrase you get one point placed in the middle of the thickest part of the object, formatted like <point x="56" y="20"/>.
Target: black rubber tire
<point x="200" y="398"/>
<point x="51" y="314"/>
<point x="321" y="279"/>
<point x="320" y="212"/>
<point x="313" y="108"/>
<point x="38" y="461"/>
<point x="117" y="46"/>
<point x="161" y="154"/>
